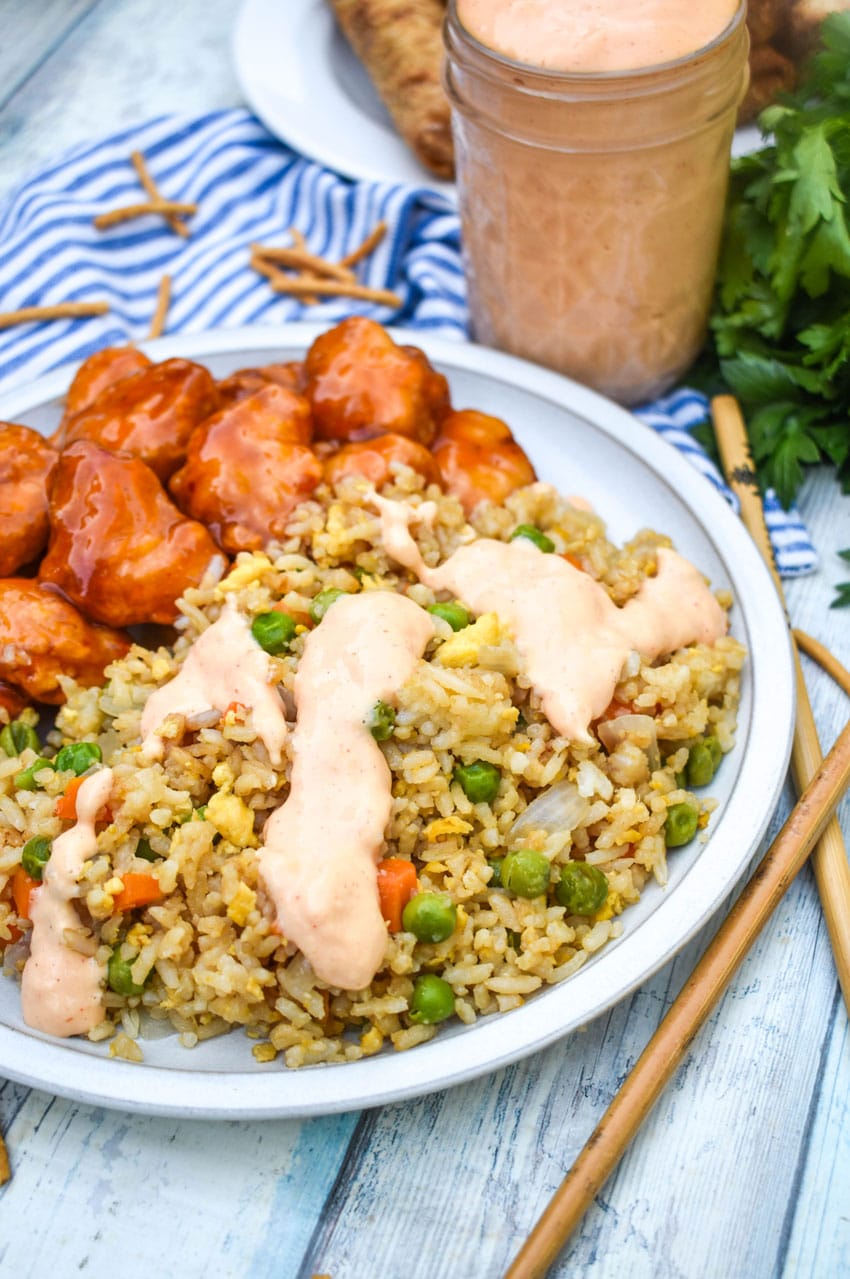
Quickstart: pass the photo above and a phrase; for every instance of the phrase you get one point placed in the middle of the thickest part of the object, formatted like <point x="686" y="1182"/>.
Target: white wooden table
<point x="742" y="1171"/>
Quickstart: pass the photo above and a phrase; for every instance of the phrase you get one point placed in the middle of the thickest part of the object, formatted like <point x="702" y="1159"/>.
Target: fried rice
<point x="206" y="956"/>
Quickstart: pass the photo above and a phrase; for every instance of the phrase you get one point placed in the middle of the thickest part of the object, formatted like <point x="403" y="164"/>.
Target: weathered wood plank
<point x="94" y="1188"/>
<point x="135" y="61"/>
<point x="31" y="34"/>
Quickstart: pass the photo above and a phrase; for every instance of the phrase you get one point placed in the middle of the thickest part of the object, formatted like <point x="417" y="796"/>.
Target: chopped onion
<point x="205" y="718"/>
<point x="559" y="809"/>
<point x="639" y="729"/>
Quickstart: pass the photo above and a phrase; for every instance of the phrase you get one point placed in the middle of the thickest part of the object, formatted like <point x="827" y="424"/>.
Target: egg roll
<point x="400" y="45"/>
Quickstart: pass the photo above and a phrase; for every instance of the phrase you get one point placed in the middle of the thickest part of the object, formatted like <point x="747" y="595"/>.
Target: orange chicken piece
<point x="246" y="381"/>
<point x="149" y="415"/>
<point x="248" y="467"/>
<point x="360" y="384"/>
<point x="372" y="459"/>
<point x="26" y="463"/>
<point x="42" y="636"/>
<point x="97" y="373"/>
<point x="119" y="548"/>
<point x="479" y="459"/>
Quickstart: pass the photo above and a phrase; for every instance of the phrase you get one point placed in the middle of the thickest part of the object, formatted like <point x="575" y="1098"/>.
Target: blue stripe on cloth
<point x="250" y="187"/>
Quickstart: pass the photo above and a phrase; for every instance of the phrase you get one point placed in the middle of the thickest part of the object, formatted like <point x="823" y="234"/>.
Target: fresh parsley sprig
<point x="780" y="327"/>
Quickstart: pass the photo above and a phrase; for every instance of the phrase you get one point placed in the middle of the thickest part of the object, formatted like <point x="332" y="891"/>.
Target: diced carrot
<point x="15" y="934"/>
<point x="300" y="619"/>
<point x="574" y="560"/>
<point x="139" y="890"/>
<point x="396" y="886"/>
<point x="23" y="886"/>
<point x="66" y="805"/>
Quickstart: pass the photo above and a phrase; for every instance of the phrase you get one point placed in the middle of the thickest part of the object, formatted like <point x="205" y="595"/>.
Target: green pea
<point x="479" y="781"/>
<point x="430" y="917"/>
<point x="496" y="866"/>
<point x="25" y="780"/>
<point x="540" y="540"/>
<point x="273" y="631"/>
<point x="118" y="975"/>
<point x="200" y="814"/>
<point x="17" y="736"/>
<point x="78" y="757"/>
<point x="35" y="855"/>
<point x="514" y="939"/>
<point x="582" y="889"/>
<point x="680" y="825"/>
<point x="320" y="604"/>
<point x="525" y="872"/>
<point x="682" y="779"/>
<point x="703" y="760"/>
<point x="455" y="614"/>
<point x="381" y="721"/>
<point x="433" y="1000"/>
<point x="144" y="850"/>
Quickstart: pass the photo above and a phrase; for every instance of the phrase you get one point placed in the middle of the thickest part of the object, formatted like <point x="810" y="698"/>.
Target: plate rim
<point x="310" y="1091"/>
<point x="260" y="24"/>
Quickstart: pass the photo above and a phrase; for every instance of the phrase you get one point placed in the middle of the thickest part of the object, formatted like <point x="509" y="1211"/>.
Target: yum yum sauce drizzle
<point x="321" y="847"/>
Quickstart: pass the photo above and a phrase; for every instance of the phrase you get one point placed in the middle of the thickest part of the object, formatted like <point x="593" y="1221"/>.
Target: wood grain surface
<point x="740" y="1172"/>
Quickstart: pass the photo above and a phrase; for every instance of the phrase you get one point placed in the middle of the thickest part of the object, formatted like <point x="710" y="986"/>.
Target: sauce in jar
<point x="592" y="145"/>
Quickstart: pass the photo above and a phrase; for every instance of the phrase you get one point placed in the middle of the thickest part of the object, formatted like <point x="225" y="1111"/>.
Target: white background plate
<point x="586" y="445"/>
<point x="303" y="80"/>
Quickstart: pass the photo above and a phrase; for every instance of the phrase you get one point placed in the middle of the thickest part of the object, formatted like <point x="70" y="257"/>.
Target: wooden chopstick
<point x="658" y="1061"/>
<point x="5" y="1168"/>
<point x="829" y="861"/>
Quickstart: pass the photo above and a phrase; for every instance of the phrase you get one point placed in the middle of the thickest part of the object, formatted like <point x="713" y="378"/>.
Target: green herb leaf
<point x="780" y="324"/>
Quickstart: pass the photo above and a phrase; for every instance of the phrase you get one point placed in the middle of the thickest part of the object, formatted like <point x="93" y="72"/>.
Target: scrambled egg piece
<point x="241" y="904"/>
<point x="446" y="826"/>
<point x="245" y="572"/>
<point x="613" y="905"/>
<point x="462" y="648"/>
<point x="232" y="819"/>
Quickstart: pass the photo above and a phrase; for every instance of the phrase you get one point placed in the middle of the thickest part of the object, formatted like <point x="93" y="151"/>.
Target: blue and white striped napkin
<point x="248" y="187"/>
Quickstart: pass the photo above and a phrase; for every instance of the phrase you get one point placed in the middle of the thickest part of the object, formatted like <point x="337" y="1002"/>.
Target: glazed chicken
<point x="96" y="374"/>
<point x="374" y="459"/>
<point x="119" y="548"/>
<point x="149" y="415"/>
<point x="12" y="702"/>
<point x="42" y="636"/>
<point x="360" y="383"/>
<point x="248" y="467"/>
<point x="245" y="382"/>
<point x="479" y="459"/>
<point x="26" y="462"/>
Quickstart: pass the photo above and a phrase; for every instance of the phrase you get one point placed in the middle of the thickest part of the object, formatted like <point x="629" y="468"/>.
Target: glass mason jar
<point x="591" y="206"/>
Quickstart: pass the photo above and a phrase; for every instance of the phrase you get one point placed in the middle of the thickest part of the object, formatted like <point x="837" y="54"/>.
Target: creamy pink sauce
<point x="323" y="844"/>
<point x="224" y="665"/>
<point x="572" y="637"/>
<point x="595" y="35"/>
<point x="60" y="988"/>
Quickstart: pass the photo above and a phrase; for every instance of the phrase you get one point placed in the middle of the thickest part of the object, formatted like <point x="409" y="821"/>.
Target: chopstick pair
<point x="812" y="819"/>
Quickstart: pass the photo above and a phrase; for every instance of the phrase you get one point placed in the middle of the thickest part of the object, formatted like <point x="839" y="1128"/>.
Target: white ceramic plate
<point x="301" y="77"/>
<point x="585" y="445"/>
